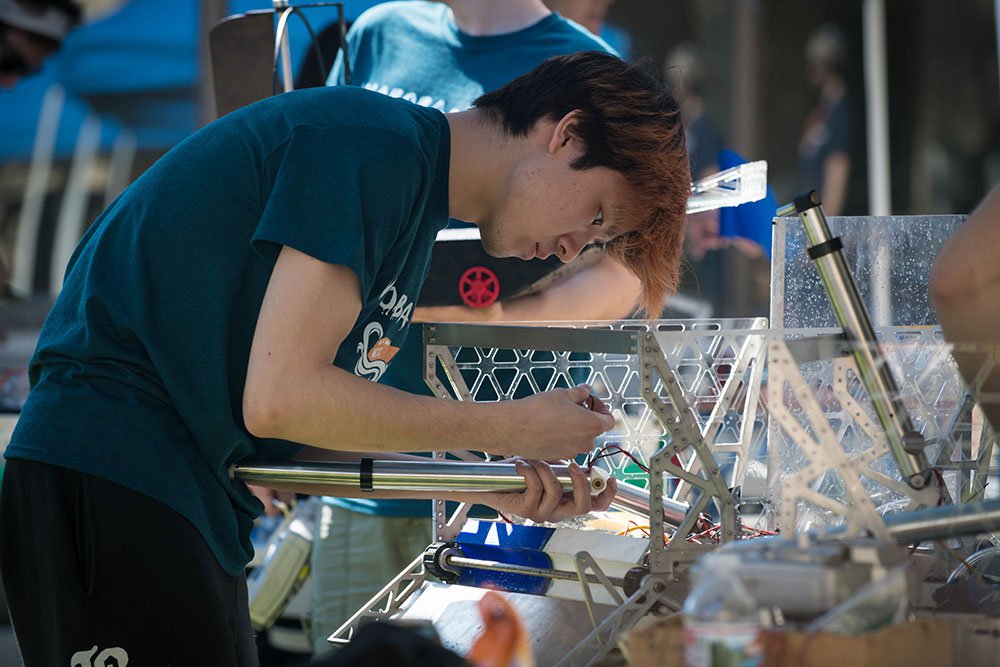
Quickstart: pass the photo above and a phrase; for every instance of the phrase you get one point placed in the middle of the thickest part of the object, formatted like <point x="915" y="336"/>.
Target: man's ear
<point x="564" y="131"/>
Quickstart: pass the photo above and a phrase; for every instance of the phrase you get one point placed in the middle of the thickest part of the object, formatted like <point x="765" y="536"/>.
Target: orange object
<point x="504" y="641"/>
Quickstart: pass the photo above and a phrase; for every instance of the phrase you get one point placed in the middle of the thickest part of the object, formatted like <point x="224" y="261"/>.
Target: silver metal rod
<point x="634" y="499"/>
<point x="430" y="475"/>
<point x="905" y="443"/>
<point x="877" y="107"/>
<point x="497" y="566"/>
<point x="461" y="476"/>
<point x="329" y="474"/>
<point x="939" y="523"/>
<point x="288" y="82"/>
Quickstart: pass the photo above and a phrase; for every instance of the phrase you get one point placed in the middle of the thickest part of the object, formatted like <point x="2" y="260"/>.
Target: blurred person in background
<point x="685" y="75"/>
<point x="747" y="227"/>
<point x="728" y="248"/>
<point x="31" y="31"/>
<point x="824" y="148"/>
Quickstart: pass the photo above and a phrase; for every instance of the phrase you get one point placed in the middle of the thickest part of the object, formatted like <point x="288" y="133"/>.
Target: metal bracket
<point x="584" y="562"/>
<point x="385" y="603"/>
<point x="678" y="420"/>
<point x="822" y="450"/>
<point x="594" y="646"/>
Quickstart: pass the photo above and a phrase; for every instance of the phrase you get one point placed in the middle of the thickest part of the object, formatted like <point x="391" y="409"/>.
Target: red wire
<point x="504" y="517"/>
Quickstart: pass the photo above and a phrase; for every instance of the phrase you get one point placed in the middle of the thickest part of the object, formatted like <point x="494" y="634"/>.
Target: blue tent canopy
<point x="138" y="63"/>
<point x="21" y="107"/>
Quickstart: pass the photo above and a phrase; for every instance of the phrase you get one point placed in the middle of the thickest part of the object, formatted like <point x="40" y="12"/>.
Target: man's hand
<point x="557" y="424"/>
<point x="544" y="499"/>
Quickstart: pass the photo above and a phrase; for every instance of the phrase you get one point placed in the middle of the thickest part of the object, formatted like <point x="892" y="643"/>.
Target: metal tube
<point x="427" y="475"/>
<point x="288" y="81"/>
<point x="332" y="474"/>
<point x="434" y="475"/>
<point x="877" y="103"/>
<point x="497" y="566"/>
<point x="877" y="118"/>
<point x="461" y="476"/>
<point x="905" y="443"/>
<point x="939" y="523"/>
<point x="634" y="499"/>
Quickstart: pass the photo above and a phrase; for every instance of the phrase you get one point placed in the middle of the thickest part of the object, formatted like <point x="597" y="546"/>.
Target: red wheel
<point x="479" y="287"/>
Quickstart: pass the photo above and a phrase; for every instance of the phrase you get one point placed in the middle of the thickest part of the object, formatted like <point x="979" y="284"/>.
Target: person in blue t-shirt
<point x="442" y="55"/>
<point x="201" y="312"/>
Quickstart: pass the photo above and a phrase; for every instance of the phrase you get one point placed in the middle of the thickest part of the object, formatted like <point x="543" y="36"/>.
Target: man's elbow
<point x="263" y="413"/>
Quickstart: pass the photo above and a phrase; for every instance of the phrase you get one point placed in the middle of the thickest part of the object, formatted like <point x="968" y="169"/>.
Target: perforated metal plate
<point x="716" y="363"/>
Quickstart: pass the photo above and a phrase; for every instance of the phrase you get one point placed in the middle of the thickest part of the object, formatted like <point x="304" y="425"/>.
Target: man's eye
<point x="599" y="220"/>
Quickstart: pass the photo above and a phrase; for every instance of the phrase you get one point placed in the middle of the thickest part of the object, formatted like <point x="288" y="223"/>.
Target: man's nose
<point x="569" y="247"/>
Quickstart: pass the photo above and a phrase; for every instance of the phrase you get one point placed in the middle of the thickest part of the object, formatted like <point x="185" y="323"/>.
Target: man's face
<point x="548" y="208"/>
<point x="21" y="53"/>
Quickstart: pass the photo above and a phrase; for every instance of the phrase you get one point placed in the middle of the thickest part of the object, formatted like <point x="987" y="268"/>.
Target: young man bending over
<point x="202" y="311"/>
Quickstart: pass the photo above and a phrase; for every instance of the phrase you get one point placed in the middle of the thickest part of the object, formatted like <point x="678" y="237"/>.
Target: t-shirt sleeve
<point x="340" y="199"/>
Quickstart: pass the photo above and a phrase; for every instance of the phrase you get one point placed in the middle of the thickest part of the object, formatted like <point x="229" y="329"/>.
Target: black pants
<point x="97" y="575"/>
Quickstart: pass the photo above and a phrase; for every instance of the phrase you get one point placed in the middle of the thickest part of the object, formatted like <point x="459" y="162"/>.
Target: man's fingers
<point x="581" y="489"/>
<point x="597" y="405"/>
<point x="605" y="420"/>
<point x="533" y="485"/>
<point x="552" y="491"/>
<point x="579" y="393"/>
<point x="603" y="500"/>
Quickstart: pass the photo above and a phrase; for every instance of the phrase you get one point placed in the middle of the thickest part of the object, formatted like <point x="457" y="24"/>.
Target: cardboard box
<point x="655" y="641"/>
<point x="659" y="642"/>
<point x="923" y="642"/>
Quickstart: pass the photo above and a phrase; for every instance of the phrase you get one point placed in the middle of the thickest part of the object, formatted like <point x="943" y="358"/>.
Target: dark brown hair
<point x="630" y="123"/>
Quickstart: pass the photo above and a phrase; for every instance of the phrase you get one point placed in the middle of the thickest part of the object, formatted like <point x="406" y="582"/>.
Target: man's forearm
<point x="336" y="410"/>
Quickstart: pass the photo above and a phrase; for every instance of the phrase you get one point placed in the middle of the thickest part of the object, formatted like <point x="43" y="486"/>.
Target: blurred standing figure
<point x="824" y="159"/>
<point x="30" y="31"/>
<point x="684" y="74"/>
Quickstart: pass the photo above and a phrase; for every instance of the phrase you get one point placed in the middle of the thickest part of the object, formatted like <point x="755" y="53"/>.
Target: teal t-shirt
<point x="414" y="51"/>
<point x="139" y="372"/>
